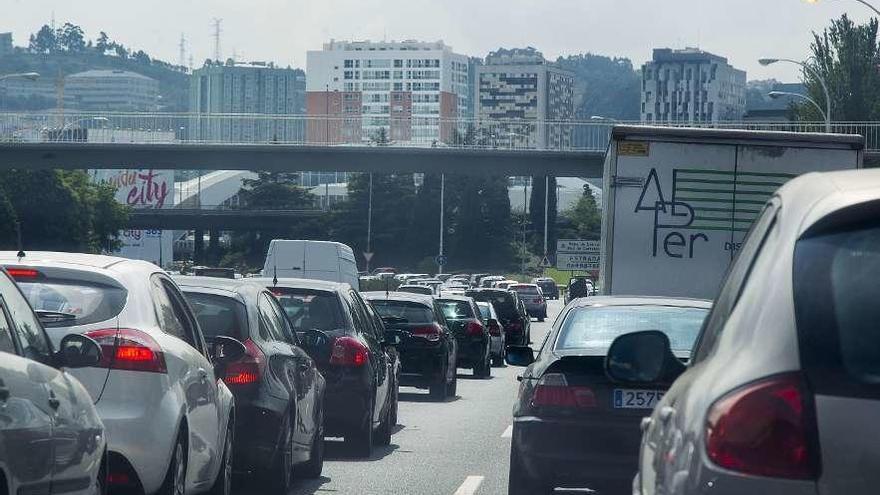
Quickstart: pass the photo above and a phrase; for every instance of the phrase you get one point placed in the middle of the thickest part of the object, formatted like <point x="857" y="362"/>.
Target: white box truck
<point x="314" y="260"/>
<point x="678" y="202"/>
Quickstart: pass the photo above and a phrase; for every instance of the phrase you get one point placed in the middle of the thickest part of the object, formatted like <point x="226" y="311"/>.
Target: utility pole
<point x="217" y="31"/>
<point x="182" y="47"/>
<point x="546" y="214"/>
<point x="370" y="222"/>
<point x="524" y="222"/>
<point x="442" y="218"/>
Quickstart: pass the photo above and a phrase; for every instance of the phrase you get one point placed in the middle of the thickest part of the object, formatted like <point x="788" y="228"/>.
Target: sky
<point x="283" y="30"/>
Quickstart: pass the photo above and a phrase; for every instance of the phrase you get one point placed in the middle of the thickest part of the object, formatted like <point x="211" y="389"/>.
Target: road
<point x="460" y="447"/>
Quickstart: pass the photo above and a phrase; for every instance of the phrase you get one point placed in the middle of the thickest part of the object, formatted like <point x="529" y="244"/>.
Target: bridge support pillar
<point x="213" y="256"/>
<point x="198" y="246"/>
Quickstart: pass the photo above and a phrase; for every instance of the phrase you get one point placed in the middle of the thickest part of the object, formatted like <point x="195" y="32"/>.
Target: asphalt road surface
<point x="459" y="447"/>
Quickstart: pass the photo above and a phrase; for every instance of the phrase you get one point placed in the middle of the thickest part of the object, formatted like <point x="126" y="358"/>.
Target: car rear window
<point x="526" y="290"/>
<point x="504" y="304"/>
<point x="485" y="310"/>
<point x="309" y="309"/>
<point x="424" y="290"/>
<point x="596" y="327"/>
<point x="67" y="303"/>
<point x="836" y="293"/>
<point x="219" y="315"/>
<point x="456" y="310"/>
<point x="412" y="312"/>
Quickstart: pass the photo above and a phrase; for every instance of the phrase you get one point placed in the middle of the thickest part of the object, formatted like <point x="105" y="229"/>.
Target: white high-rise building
<point x="691" y="86"/>
<point x="409" y="88"/>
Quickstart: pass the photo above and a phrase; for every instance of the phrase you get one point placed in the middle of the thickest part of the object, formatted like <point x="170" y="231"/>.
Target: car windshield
<point x="408" y="312"/>
<point x="596" y="327"/>
<point x="219" y="315"/>
<point x="66" y="303"/>
<point x="456" y="310"/>
<point x="525" y="290"/>
<point x="311" y="309"/>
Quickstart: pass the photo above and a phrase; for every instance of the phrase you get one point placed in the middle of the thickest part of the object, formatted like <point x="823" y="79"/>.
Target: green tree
<point x="604" y="86"/>
<point x="71" y="38"/>
<point x="481" y="222"/>
<point x="536" y="213"/>
<point x="8" y="222"/>
<point x="103" y="43"/>
<point x="44" y="41"/>
<point x="585" y="218"/>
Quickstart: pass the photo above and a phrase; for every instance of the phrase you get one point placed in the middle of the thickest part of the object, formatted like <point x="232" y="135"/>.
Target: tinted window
<point x="525" y="290"/>
<point x="270" y="320"/>
<point x="504" y="302"/>
<point x="424" y="290"/>
<point x="485" y="310"/>
<point x="6" y="343"/>
<point x="172" y="318"/>
<point x="31" y="336"/>
<point x="597" y="327"/>
<point x="219" y="315"/>
<point x="836" y="294"/>
<point x="85" y="302"/>
<point x="311" y="309"/>
<point x="456" y="310"/>
<point x="412" y="312"/>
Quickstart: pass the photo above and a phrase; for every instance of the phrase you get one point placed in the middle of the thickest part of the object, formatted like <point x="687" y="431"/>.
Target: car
<point x="476" y="278"/>
<point x="580" y="286"/>
<point x="50" y="431"/>
<point x="205" y="271"/>
<point x="313" y="260"/>
<point x="279" y="392"/>
<point x="488" y="281"/>
<point x="385" y="270"/>
<point x="548" y="287"/>
<point x="781" y="393"/>
<point x="359" y="365"/>
<point x="504" y="284"/>
<point x="428" y="349"/>
<point x="443" y="277"/>
<point x="511" y="312"/>
<point x="573" y="427"/>
<point x="416" y="289"/>
<point x="158" y="374"/>
<point x="533" y="299"/>
<point x="498" y="345"/>
<point x="466" y="322"/>
<point x="433" y="283"/>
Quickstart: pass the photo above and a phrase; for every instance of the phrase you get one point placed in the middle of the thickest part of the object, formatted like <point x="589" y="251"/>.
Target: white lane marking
<point x="470" y="485"/>
<point x="508" y="433"/>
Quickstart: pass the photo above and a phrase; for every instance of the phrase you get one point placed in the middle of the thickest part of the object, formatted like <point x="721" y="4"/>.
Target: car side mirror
<point x="78" y="351"/>
<point x="642" y="358"/>
<point x="520" y="355"/>
<point x="226" y="350"/>
<point x="392" y="338"/>
<point x="316" y="343"/>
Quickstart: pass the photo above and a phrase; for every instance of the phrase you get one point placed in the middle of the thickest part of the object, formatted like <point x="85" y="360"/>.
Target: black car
<point x="548" y="287"/>
<point x="466" y="323"/>
<point x="359" y="365"/>
<point x="573" y="426"/>
<point x="511" y="312"/>
<point x="428" y="349"/>
<point x="279" y="393"/>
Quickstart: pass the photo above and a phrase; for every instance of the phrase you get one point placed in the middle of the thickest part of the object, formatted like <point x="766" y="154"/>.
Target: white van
<point x="316" y="260"/>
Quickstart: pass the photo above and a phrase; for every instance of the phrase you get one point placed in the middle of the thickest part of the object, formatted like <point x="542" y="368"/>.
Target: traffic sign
<point x="577" y="246"/>
<point x="368" y="256"/>
<point x="545" y="263"/>
<point x="441" y="260"/>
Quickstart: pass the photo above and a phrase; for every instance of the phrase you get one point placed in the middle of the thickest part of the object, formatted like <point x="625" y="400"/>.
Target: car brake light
<point x="430" y="333"/>
<point x="128" y="349"/>
<point x="348" y="351"/>
<point x="19" y="273"/>
<point x="248" y="369"/>
<point x="764" y="429"/>
<point x="538" y="300"/>
<point x="553" y="390"/>
<point x="494" y="329"/>
<point x="475" y="328"/>
<point x="118" y="479"/>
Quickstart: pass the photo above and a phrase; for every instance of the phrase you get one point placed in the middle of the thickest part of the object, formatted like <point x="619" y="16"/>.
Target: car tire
<point x="360" y="442"/>
<point x="395" y="405"/>
<point x="437" y="390"/>
<point x="315" y="465"/>
<point x="519" y="482"/>
<point x="101" y="481"/>
<point x="279" y="477"/>
<point x="175" y="477"/>
<point x="383" y="434"/>
<point x="223" y="483"/>
<point x="498" y="361"/>
<point x="484" y="370"/>
<point x="452" y="387"/>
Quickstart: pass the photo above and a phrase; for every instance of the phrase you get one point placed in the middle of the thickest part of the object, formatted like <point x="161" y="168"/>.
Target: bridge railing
<point x="361" y="130"/>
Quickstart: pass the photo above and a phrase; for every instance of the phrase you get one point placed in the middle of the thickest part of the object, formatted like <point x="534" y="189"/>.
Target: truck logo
<point x="704" y="201"/>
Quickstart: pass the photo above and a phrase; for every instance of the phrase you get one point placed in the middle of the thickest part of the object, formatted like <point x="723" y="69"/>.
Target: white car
<point x="168" y="418"/>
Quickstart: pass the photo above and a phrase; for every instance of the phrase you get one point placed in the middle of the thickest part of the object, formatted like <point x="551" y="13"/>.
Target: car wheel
<point x="223" y="483"/>
<point x="315" y="465"/>
<point x="360" y="442"/>
<point x="175" y="478"/>
<point x="484" y="370"/>
<point x="452" y="387"/>
<point x="280" y="476"/>
<point x="519" y="482"/>
<point x="101" y="478"/>
<point x="498" y="361"/>
<point x="438" y="389"/>
<point x="394" y="407"/>
<point x="383" y="434"/>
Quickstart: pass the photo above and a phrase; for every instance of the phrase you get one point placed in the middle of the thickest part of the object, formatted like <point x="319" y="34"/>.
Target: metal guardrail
<point x="419" y="132"/>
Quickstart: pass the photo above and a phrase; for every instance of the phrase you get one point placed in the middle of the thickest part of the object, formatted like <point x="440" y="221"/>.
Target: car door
<point x="26" y="446"/>
<point x="448" y="339"/>
<point x="378" y="358"/>
<point x="196" y="380"/>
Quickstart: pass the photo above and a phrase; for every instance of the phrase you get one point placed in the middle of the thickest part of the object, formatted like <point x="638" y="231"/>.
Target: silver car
<point x="781" y="395"/>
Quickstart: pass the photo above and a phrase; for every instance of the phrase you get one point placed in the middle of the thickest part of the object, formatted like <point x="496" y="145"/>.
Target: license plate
<point x="636" y="399"/>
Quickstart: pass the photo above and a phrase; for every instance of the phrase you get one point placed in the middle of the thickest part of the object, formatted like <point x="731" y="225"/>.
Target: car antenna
<point x="275" y="274"/>
<point x="21" y="253"/>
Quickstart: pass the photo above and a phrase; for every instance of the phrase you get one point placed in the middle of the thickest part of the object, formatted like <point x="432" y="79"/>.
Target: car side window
<point x="6" y="343"/>
<point x="270" y="320"/>
<point x="365" y="326"/>
<point x="171" y="313"/>
<point x="31" y="336"/>
<point x="734" y="282"/>
<point x="286" y="328"/>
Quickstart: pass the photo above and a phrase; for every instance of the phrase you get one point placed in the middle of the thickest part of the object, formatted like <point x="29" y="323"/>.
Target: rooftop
<point x="690" y="54"/>
<point x="368" y="45"/>
<point x="102" y="73"/>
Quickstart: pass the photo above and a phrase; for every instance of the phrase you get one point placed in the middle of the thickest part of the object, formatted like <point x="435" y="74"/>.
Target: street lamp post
<point x="440" y="259"/>
<point x="30" y="76"/>
<point x="780" y="94"/>
<point x="770" y="61"/>
<point x="863" y="2"/>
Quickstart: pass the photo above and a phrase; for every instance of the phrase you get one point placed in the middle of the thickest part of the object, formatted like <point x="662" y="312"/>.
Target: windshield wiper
<point x="54" y="315"/>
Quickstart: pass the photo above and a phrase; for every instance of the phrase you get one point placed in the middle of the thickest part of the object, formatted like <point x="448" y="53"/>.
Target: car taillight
<point x="475" y="328"/>
<point x="23" y="273"/>
<point x="538" y="300"/>
<point x="430" y="333"/>
<point x="764" y="429"/>
<point x="494" y="329"/>
<point x="348" y="351"/>
<point x="248" y="369"/>
<point x="128" y="349"/>
<point x="553" y="390"/>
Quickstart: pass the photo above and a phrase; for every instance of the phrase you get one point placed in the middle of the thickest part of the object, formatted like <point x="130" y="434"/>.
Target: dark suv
<point x="428" y="349"/>
<point x="279" y="393"/>
<point x="511" y="312"/>
<point x="548" y="287"/>
<point x="466" y="323"/>
<point x="360" y="367"/>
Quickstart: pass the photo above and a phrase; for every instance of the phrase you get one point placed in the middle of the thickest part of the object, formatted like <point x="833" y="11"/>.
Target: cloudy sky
<point x="282" y="30"/>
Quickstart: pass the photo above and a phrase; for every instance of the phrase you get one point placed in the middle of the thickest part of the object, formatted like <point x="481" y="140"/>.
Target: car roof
<point x="241" y="286"/>
<point x="453" y="297"/>
<point x="301" y="283"/>
<point x="399" y="296"/>
<point x="641" y="301"/>
<point x="521" y="284"/>
<point x="59" y="258"/>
